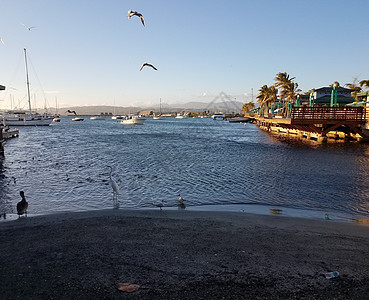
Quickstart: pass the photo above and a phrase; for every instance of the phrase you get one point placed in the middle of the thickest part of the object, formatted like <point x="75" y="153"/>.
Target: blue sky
<point x="87" y="52"/>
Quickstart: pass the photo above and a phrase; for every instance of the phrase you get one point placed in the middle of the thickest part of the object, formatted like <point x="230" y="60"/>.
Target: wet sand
<point x="182" y="255"/>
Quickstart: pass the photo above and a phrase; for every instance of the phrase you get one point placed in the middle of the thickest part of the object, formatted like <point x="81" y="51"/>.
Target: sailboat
<point x="56" y="117"/>
<point x="158" y="117"/>
<point x="27" y="117"/>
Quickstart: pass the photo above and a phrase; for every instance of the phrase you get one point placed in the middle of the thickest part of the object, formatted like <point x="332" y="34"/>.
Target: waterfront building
<point x="323" y="96"/>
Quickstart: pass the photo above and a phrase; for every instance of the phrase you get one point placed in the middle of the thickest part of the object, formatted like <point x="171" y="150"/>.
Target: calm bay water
<point x="216" y="163"/>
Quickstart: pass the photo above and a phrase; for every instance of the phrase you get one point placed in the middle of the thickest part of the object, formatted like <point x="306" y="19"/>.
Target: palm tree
<point x="288" y="89"/>
<point x="364" y="83"/>
<point x="247" y="107"/>
<point x="267" y="96"/>
<point x="355" y="87"/>
<point x="336" y="84"/>
<point x="263" y="95"/>
<point x="282" y="79"/>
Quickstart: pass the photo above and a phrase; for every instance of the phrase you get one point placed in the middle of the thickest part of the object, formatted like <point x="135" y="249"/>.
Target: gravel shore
<point x="181" y="255"/>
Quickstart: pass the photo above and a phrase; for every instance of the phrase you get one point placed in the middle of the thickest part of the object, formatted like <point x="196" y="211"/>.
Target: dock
<point x="320" y="123"/>
<point x="6" y="133"/>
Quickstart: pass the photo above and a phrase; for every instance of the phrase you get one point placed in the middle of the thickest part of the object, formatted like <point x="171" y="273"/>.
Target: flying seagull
<point x="145" y="64"/>
<point x="28" y="28"/>
<point x="132" y="13"/>
<point x="72" y="112"/>
<point x="1" y="40"/>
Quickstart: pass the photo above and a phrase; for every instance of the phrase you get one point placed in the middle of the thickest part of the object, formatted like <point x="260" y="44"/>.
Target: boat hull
<point x="134" y="121"/>
<point x="35" y="122"/>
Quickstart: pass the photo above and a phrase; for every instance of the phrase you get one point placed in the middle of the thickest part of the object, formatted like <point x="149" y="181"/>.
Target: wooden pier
<point x="320" y="123"/>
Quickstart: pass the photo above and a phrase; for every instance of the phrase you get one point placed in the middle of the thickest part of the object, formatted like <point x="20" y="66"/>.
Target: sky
<point x="87" y="52"/>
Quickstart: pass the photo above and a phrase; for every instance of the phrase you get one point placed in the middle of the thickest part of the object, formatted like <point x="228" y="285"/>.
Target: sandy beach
<point x="182" y="255"/>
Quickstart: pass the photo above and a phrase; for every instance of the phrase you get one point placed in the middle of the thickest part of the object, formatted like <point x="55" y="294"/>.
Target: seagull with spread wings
<point x="28" y="28"/>
<point x="132" y="13"/>
<point x="145" y="64"/>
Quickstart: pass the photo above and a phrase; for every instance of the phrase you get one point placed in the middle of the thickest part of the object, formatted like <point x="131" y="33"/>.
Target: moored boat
<point x="117" y="117"/>
<point x="26" y="117"/>
<point x="97" y="118"/>
<point x="10" y="133"/>
<point x="218" y="116"/>
<point x="133" y="120"/>
<point x="238" y="120"/>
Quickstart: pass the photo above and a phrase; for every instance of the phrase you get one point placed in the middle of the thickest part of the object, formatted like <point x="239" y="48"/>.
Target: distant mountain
<point x="231" y="106"/>
<point x="98" y="110"/>
<point x="214" y="106"/>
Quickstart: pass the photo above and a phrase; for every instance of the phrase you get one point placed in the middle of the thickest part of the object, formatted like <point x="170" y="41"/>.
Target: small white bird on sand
<point x="115" y="188"/>
<point x="145" y="64"/>
<point x="132" y="13"/>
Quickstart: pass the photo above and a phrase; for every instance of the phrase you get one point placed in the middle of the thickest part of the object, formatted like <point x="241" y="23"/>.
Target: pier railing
<point x="323" y="114"/>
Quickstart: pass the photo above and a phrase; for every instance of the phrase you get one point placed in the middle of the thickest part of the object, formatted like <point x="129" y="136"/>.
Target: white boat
<point x="97" y="118"/>
<point x="77" y="119"/>
<point x="179" y="116"/>
<point x="27" y="117"/>
<point x="56" y="119"/>
<point x="218" y="116"/>
<point x="10" y="133"/>
<point x="117" y="117"/>
<point x="135" y="120"/>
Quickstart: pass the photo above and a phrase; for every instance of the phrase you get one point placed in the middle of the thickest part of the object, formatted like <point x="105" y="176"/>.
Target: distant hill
<point x="214" y="106"/>
<point x="98" y="110"/>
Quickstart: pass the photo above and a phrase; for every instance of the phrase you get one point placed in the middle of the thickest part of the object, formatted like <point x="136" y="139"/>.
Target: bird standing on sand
<point x="145" y="64"/>
<point x="115" y="188"/>
<point x="22" y="205"/>
<point x="132" y="13"/>
<point x="160" y="204"/>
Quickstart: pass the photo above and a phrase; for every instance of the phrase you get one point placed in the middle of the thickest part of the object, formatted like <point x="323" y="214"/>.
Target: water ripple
<point x="64" y="168"/>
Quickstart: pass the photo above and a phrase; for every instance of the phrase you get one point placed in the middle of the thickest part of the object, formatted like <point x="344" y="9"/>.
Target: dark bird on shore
<point x="160" y="204"/>
<point x="132" y="13"/>
<point x="145" y="64"/>
<point x="22" y="205"/>
<point x="72" y="112"/>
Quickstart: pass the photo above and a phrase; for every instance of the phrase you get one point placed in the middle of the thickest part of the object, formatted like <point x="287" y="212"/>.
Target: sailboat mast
<point x="28" y="92"/>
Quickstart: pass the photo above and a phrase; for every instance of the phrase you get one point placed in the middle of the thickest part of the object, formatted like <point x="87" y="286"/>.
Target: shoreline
<point x="250" y="208"/>
<point x="181" y="254"/>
